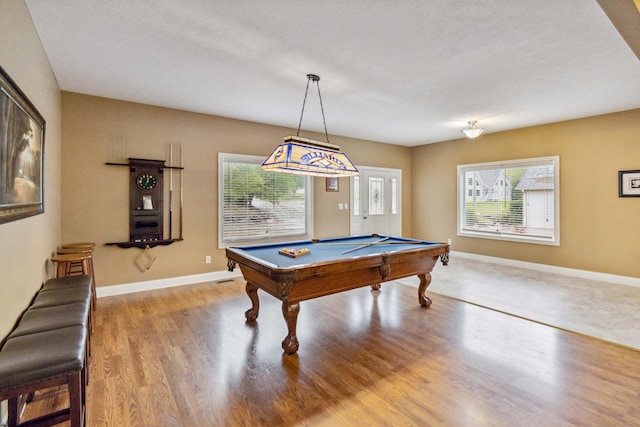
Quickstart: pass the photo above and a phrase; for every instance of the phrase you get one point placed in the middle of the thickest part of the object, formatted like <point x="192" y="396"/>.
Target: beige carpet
<point x="602" y="310"/>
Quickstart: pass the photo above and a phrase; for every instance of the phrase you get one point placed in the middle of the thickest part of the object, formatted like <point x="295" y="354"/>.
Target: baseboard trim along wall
<point x="127" y="288"/>
<point x="581" y="274"/>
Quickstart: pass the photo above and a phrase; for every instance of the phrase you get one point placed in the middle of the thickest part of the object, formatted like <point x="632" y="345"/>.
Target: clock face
<point x="146" y="181"/>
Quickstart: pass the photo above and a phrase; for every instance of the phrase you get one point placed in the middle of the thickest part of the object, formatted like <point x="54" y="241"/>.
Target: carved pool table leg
<point x="290" y="312"/>
<point x="425" y="280"/>
<point x="252" y="313"/>
<point x="376" y="286"/>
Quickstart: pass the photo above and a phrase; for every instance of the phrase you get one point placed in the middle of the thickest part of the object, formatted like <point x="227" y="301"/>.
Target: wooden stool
<point x="76" y="267"/>
<point x="81" y="247"/>
<point x="66" y="263"/>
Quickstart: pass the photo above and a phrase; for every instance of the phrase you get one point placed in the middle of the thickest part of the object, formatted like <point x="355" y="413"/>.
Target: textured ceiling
<point x="407" y="72"/>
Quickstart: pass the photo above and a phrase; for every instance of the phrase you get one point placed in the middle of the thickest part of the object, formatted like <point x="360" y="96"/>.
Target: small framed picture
<point x="332" y="184"/>
<point x="629" y="183"/>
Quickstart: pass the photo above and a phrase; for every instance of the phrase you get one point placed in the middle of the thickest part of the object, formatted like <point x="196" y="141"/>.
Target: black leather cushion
<point x="51" y="297"/>
<point x="44" y="319"/>
<point x="36" y="357"/>
<point x="68" y="282"/>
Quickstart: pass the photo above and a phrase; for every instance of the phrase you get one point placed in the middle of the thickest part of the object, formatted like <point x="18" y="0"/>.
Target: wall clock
<point x="147" y="181"/>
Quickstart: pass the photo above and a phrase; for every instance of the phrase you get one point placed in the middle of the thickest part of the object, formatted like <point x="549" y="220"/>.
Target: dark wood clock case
<point x="146" y="194"/>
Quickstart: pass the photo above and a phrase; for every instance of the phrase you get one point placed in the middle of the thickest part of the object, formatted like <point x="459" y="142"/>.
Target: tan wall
<point x="598" y="230"/>
<point x="25" y="245"/>
<point x="95" y="196"/>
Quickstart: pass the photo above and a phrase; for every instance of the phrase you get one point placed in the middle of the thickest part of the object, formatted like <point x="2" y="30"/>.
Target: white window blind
<point x="260" y="206"/>
<point x="517" y="200"/>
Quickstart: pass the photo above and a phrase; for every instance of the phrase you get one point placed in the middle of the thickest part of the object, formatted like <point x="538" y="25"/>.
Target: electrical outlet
<point x="449" y="241"/>
<point x="207" y="259"/>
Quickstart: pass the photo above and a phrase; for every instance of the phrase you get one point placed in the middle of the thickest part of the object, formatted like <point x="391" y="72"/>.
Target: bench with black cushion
<point x="53" y="296"/>
<point x="66" y="290"/>
<point x="47" y="318"/>
<point x="66" y="282"/>
<point x="33" y="362"/>
<point x="49" y="347"/>
<point x="50" y="318"/>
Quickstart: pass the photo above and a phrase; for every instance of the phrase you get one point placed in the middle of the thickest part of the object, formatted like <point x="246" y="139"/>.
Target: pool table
<point x="314" y="268"/>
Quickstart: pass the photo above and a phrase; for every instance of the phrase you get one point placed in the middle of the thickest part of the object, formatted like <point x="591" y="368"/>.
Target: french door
<point x="376" y="201"/>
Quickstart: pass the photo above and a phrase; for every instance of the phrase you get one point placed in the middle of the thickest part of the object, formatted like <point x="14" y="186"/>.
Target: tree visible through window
<point x="258" y="205"/>
<point x="515" y="200"/>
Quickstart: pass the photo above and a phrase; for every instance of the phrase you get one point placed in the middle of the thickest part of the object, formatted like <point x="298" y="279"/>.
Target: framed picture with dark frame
<point x="629" y="183"/>
<point x="21" y="153"/>
<point x="333" y="184"/>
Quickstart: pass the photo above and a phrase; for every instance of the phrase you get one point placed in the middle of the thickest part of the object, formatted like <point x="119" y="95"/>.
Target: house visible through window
<point x="261" y="206"/>
<point x="515" y="200"/>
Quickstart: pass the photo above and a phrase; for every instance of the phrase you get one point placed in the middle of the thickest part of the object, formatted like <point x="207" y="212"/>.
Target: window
<point x="517" y="200"/>
<point x="258" y="206"/>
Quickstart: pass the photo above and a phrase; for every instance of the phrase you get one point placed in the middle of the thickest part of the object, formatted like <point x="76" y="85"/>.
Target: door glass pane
<point x="356" y="195"/>
<point x="394" y="196"/>
<point x="376" y="196"/>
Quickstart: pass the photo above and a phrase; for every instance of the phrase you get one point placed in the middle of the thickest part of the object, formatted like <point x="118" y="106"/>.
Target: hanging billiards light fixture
<point x="306" y="156"/>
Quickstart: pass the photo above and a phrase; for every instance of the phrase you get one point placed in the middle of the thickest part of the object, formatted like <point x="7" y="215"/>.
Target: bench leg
<point x="12" y="419"/>
<point x="76" y="408"/>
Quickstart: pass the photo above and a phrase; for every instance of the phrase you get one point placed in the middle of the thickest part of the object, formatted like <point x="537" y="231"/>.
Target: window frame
<point x="553" y="161"/>
<point x="258" y="160"/>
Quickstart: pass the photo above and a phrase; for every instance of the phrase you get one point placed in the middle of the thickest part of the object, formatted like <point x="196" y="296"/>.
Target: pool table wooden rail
<point x="325" y="278"/>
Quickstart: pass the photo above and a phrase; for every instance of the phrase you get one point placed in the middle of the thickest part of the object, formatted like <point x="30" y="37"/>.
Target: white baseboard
<point x="582" y="274"/>
<point x="127" y="288"/>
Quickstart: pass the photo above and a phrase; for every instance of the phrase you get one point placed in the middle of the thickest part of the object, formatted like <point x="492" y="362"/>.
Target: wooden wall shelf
<point x="142" y="245"/>
<point x="128" y="164"/>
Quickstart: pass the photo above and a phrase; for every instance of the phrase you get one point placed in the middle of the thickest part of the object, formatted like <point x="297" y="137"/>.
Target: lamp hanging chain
<point x="316" y="79"/>
<point x="303" y="104"/>
<point x="324" y="122"/>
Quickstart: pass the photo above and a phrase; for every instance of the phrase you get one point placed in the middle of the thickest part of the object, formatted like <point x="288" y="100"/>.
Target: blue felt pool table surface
<point x="325" y="250"/>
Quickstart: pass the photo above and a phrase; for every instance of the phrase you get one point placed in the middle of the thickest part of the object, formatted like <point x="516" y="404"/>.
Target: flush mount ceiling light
<point x="473" y="131"/>
<point x="305" y="156"/>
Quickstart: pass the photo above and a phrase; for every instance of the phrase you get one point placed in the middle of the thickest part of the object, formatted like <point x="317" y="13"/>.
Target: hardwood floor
<point x="185" y="357"/>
